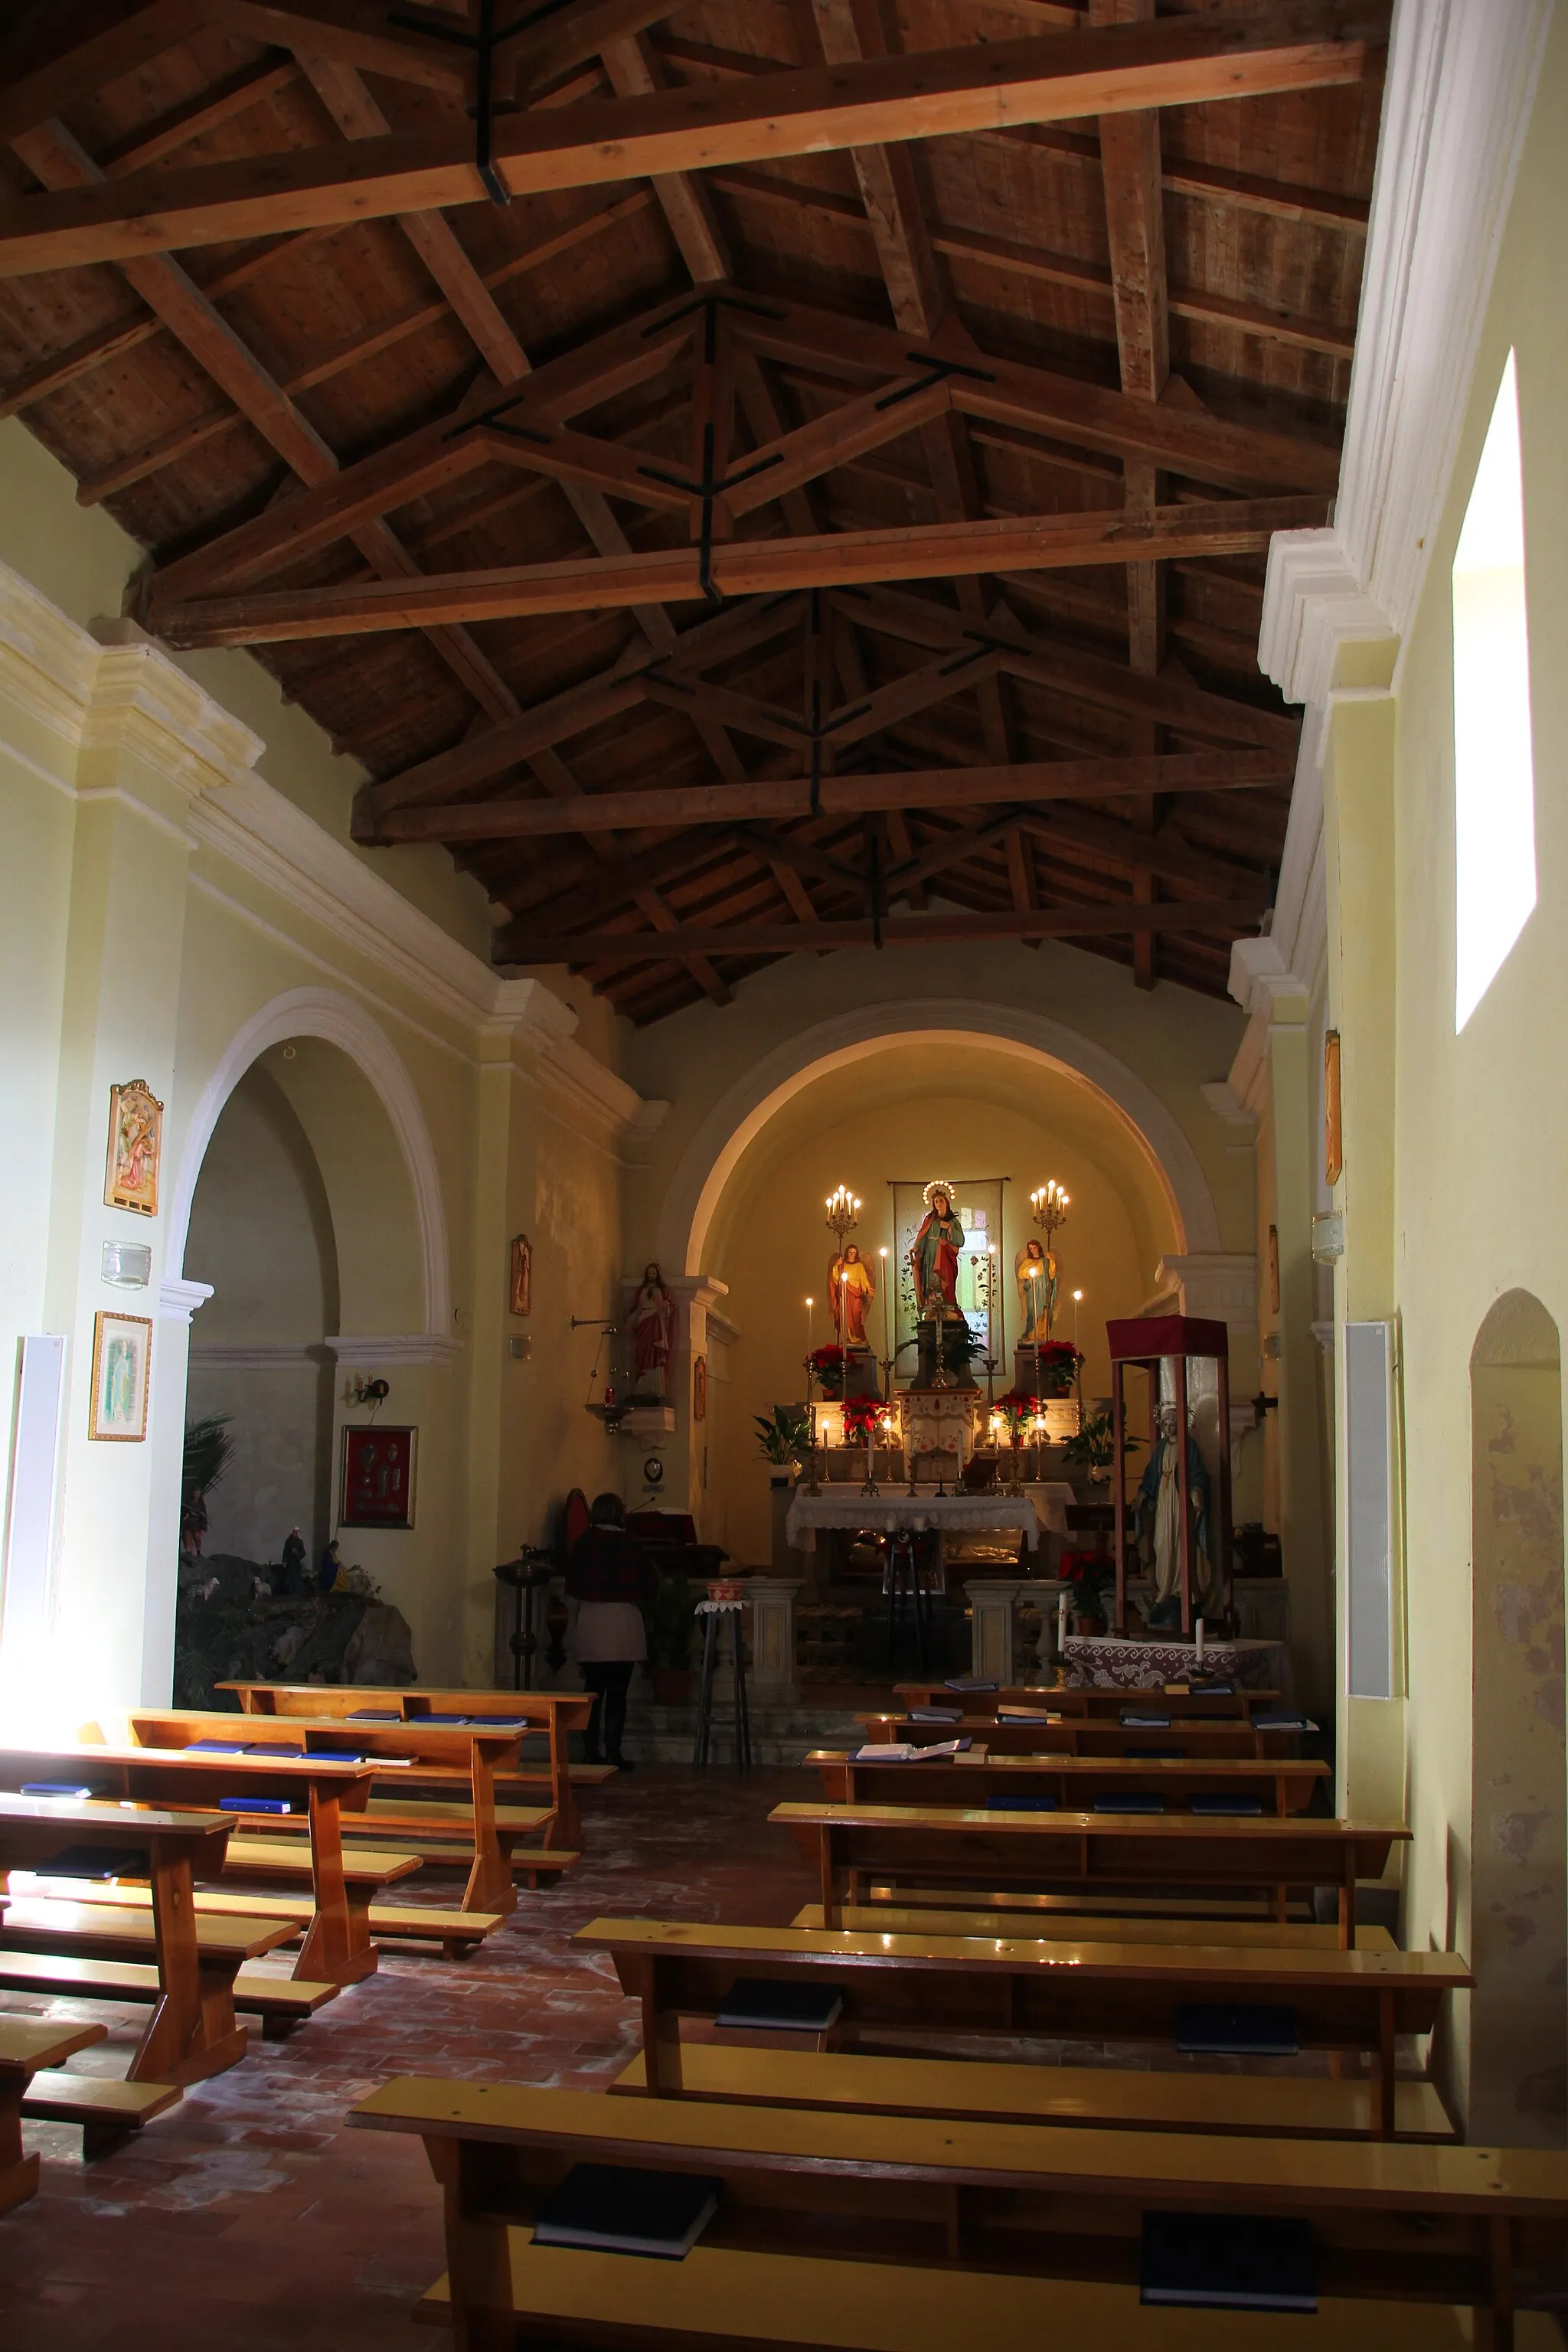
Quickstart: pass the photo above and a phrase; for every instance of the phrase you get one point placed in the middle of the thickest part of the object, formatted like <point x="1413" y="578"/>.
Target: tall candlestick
<point x="887" y="1351"/>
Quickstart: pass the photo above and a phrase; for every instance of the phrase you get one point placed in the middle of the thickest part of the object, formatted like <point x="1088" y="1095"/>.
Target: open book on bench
<point x="619" y="2209"/>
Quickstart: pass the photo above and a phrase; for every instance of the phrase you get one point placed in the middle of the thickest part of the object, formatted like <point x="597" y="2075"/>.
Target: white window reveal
<point x="1494" y="777"/>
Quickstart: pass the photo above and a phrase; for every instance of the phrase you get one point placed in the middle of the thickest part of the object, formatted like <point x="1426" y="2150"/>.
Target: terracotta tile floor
<point x="251" y="2218"/>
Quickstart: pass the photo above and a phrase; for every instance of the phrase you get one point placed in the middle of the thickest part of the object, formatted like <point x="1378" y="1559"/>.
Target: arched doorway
<point x="1518" y="2069"/>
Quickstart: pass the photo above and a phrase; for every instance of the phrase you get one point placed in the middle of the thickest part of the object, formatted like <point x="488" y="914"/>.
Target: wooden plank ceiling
<point x="749" y="478"/>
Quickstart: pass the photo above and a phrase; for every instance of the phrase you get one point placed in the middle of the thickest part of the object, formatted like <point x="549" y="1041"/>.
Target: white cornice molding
<point x="256" y="1355"/>
<point x="141" y="699"/>
<point x="178" y="1299"/>
<point x="1457" y="101"/>
<point x="368" y="1351"/>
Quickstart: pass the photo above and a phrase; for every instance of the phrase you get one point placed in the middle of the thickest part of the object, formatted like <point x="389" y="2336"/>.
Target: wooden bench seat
<point x="281" y="2002"/>
<point x="952" y="1845"/>
<point x="796" y="2303"/>
<point x="1077" y="1736"/>
<point x="1099" y="1705"/>
<point x="1103" y="2098"/>
<point x="106" y="2110"/>
<point x="28" y="2045"/>
<point x="456" y="1932"/>
<point x="1450" y="2226"/>
<point x="444" y="1843"/>
<point x="899" y="1919"/>
<point x="977" y="1777"/>
<point x="1102" y="1990"/>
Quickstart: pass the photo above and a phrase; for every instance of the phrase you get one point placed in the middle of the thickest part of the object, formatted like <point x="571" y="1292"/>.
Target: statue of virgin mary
<point x="933" y="1256"/>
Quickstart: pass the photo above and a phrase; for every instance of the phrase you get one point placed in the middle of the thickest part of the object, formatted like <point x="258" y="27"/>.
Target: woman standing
<point x="611" y="1580"/>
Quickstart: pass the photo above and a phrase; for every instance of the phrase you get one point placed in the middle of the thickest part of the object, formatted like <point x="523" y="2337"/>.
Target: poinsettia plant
<point x="1059" y="1360"/>
<point x="1018" y="1408"/>
<point x="1089" y="1573"/>
<point x="827" y="1369"/>
<point x="861" y="1414"/>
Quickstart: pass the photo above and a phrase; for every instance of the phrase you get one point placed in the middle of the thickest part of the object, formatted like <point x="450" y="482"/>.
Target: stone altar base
<point x="1106" y="1662"/>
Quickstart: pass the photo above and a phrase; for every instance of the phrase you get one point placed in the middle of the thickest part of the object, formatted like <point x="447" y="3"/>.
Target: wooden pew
<point x="104" y="2109"/>
<point x="337" y="1948"/>
<point x="281" y="2002"/>
<point x="977" y="1778"/>
<point x="838" y="2229"/>
<point x="192" y="2031"/>
<point x="951" y="1845"/>
<point x="29" y="2045"/>
<point x="1192" y="1740"/>
<point x="1100" y="1705"/>
<point x="408" y="1758"/>
<point x="1102" y="2098"/>
<point x="1121" y="1927"/>
<point x="1104" y="1990"/>
<point x="554" y="1714"/>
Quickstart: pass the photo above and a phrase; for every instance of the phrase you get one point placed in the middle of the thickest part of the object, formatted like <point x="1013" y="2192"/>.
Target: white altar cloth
<point x="1040" y="1510"/>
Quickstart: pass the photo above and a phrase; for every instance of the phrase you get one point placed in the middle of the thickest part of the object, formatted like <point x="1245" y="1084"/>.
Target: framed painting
<point x="1334" y="1133"/>
<point x="135" y="1141"/>
<point x="521" y="1300"/>
<point x="121" y="1363"/>
<point x="698" y="1388"/>
<point x="378" y="1476"/>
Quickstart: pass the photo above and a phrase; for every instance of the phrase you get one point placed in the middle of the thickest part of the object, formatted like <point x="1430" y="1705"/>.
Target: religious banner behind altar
<point x="977" y="1204"/>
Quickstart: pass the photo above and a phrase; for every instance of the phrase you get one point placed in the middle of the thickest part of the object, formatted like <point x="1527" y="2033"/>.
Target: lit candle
<point x="887" y="1351"/>
<point x="808" y="1351"/>
<point x="1061" y="1625"/>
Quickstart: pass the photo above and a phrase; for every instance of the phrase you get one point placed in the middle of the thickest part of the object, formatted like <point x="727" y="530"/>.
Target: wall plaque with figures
<point x="378" y="1476"/>
<point x="135" y="1141"/>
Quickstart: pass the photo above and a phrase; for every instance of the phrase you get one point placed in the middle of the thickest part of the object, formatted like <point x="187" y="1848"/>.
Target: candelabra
<point x="1050" y="1205"/>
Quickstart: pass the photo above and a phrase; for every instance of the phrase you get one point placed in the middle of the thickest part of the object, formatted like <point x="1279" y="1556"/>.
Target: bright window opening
<point x="1494" y="776"/>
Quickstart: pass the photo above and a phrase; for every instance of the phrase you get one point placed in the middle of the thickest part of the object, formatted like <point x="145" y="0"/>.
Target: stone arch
<point x="741" y="1113"/>
<point x="1517" y="1927"/>
<point x="336" y="1020"/>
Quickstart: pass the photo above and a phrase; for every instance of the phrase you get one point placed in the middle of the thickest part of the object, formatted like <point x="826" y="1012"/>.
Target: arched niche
<point x="358" y="1105"/>
<point x="1517" y="2070"/>
<point x="1033" y="1040"/>
<point x="911" y="1107"/>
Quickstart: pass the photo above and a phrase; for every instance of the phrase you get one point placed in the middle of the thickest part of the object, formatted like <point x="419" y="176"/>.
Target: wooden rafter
<point x="1187" y="60"/>
<point x="740" y="568"/>
<point x="778" y="798"/>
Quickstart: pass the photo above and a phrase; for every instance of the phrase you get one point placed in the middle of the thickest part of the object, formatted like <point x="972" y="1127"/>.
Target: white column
<point x="990" y="1627"/>
<point x="774" y="1673"/>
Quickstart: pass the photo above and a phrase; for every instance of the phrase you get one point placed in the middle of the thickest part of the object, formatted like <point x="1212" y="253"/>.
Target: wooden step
<point x="1103" y="2097"/>
<point x="107" y="2110"/>
<point x="281" y="2002"/>
<point x="1055" y="1927"/>
<point x="797" y="2300"/>
<point x="363" y="1865"/>
<point x="27" y="2044"/>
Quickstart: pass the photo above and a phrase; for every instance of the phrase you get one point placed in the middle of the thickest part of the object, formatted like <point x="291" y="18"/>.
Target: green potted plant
<point x="1093" y="1449"/>
<point x="669" y="1640"/>
<point x="784" y="1435"/>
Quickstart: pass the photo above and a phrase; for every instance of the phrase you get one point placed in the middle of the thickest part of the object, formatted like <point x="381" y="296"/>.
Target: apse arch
<point x="745" y="1108"/>
<point x="336" y="1020"/>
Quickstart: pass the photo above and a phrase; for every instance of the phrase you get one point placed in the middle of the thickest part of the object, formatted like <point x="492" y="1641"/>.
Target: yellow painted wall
<point x="1456" y="1146"/>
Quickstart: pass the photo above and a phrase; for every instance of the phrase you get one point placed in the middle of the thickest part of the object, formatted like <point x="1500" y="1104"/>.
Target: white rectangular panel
<point x="1369" y="1482"/>
<point x="30" y="1513"/>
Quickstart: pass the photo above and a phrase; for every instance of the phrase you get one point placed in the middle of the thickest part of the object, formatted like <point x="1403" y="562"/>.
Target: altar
<point x="1040" y="1510"/>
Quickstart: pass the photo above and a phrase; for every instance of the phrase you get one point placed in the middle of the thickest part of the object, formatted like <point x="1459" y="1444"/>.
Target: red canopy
<point x="1143" y="1339"/>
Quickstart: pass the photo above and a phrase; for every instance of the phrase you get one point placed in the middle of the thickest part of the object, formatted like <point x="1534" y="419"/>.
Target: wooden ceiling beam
<point x="1209" y="182"/>
<point x="851" y="33"/>
<point x="220" y="102"/>
<point x="788" y="797"/>
<point x="1186" y="442"/>
<point x="1179" y="61"/>
<point x="739" y="568"/>
<point x="1077" y="921"/>
<point x="686" y="206"/>
<point x="42" y="71"/>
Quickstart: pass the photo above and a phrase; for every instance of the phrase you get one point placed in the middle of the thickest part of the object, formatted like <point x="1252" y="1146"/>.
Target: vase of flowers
<point x="861" y="1415"/>
<point x="1059" y="1360"/>
<point x="827" y="1369"/>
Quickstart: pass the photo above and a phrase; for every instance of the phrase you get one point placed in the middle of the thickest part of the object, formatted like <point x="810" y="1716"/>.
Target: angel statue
<point x="852" y="1287"/>
<point x="651" y="1323"/>
<point x="1036" y="1270"/>
<point x="933" y="1257"/>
